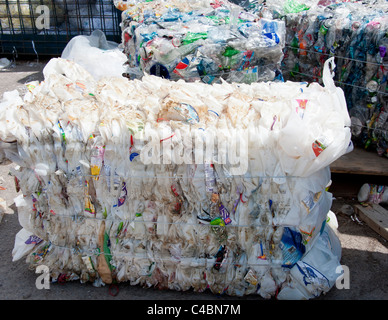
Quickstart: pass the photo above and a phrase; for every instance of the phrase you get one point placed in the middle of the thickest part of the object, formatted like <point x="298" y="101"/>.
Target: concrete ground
<point x="364" y="251"/>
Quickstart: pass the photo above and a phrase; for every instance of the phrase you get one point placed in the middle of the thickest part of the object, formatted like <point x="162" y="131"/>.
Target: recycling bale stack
<point x="177" y="185"/>
<point x="356" y="34"/>
<point x="200" y="41"/>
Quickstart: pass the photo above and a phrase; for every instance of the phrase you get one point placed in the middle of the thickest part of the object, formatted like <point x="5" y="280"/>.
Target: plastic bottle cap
<point x="160" y="70"/>
<point x="372" y="86"/>
<point x="176" y="42"/>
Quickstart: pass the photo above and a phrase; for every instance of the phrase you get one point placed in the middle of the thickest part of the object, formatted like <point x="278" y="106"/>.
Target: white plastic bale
<point x="85" y="167"/>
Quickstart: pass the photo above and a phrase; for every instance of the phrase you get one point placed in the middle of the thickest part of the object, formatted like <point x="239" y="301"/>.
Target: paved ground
<point x="363" y="250"/>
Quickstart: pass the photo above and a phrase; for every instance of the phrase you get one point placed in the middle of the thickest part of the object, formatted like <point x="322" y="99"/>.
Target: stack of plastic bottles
<point x="356" y="34"/>
<point x="177" y="184"/>
<point x="200" y="40"/>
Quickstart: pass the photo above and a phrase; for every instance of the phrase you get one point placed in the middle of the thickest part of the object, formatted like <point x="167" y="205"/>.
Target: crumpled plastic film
<point x="176" y="185"/>
<point x="201" y="40"/>
<point x="101" y="58"/>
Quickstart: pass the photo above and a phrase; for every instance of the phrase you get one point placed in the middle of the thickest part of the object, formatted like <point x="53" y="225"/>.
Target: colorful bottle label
<point x="123" y="195"/>
<point x="224" y="214"/>
<point x="301" y="108"/>
<point x="318" y="147"/>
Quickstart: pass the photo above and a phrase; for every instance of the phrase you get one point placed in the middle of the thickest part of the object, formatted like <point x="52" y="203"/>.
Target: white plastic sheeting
<point x="101" y="58"/>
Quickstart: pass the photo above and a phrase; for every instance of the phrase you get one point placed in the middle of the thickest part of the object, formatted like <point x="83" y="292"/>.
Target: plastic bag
<point x="25" y="242"/>
<point x="101" y="58"/>
<point x="317" y="271"/>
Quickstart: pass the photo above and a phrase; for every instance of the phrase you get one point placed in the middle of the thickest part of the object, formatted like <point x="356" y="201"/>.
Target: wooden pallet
<point x="360" y="161"/>
<point x="375" y="216"/>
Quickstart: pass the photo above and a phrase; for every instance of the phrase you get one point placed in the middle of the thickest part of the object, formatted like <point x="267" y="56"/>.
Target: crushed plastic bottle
<point x="373" y="193"/>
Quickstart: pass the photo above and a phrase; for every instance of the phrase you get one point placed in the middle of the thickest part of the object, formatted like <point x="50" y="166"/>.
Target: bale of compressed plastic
<point x="203" y="41"/>
<point x="177" y="185"/>
<point x="355" y="33"/>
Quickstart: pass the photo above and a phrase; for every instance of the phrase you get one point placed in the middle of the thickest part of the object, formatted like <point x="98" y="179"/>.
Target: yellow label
<point x="95" y="170"/>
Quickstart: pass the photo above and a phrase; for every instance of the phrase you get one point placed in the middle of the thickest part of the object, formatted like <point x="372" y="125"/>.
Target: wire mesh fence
<point x="44" y="27"/>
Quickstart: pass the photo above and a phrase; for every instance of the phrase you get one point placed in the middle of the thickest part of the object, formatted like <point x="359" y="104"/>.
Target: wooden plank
<point x="375" y="216"/>
<point x="361" y="161"/>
